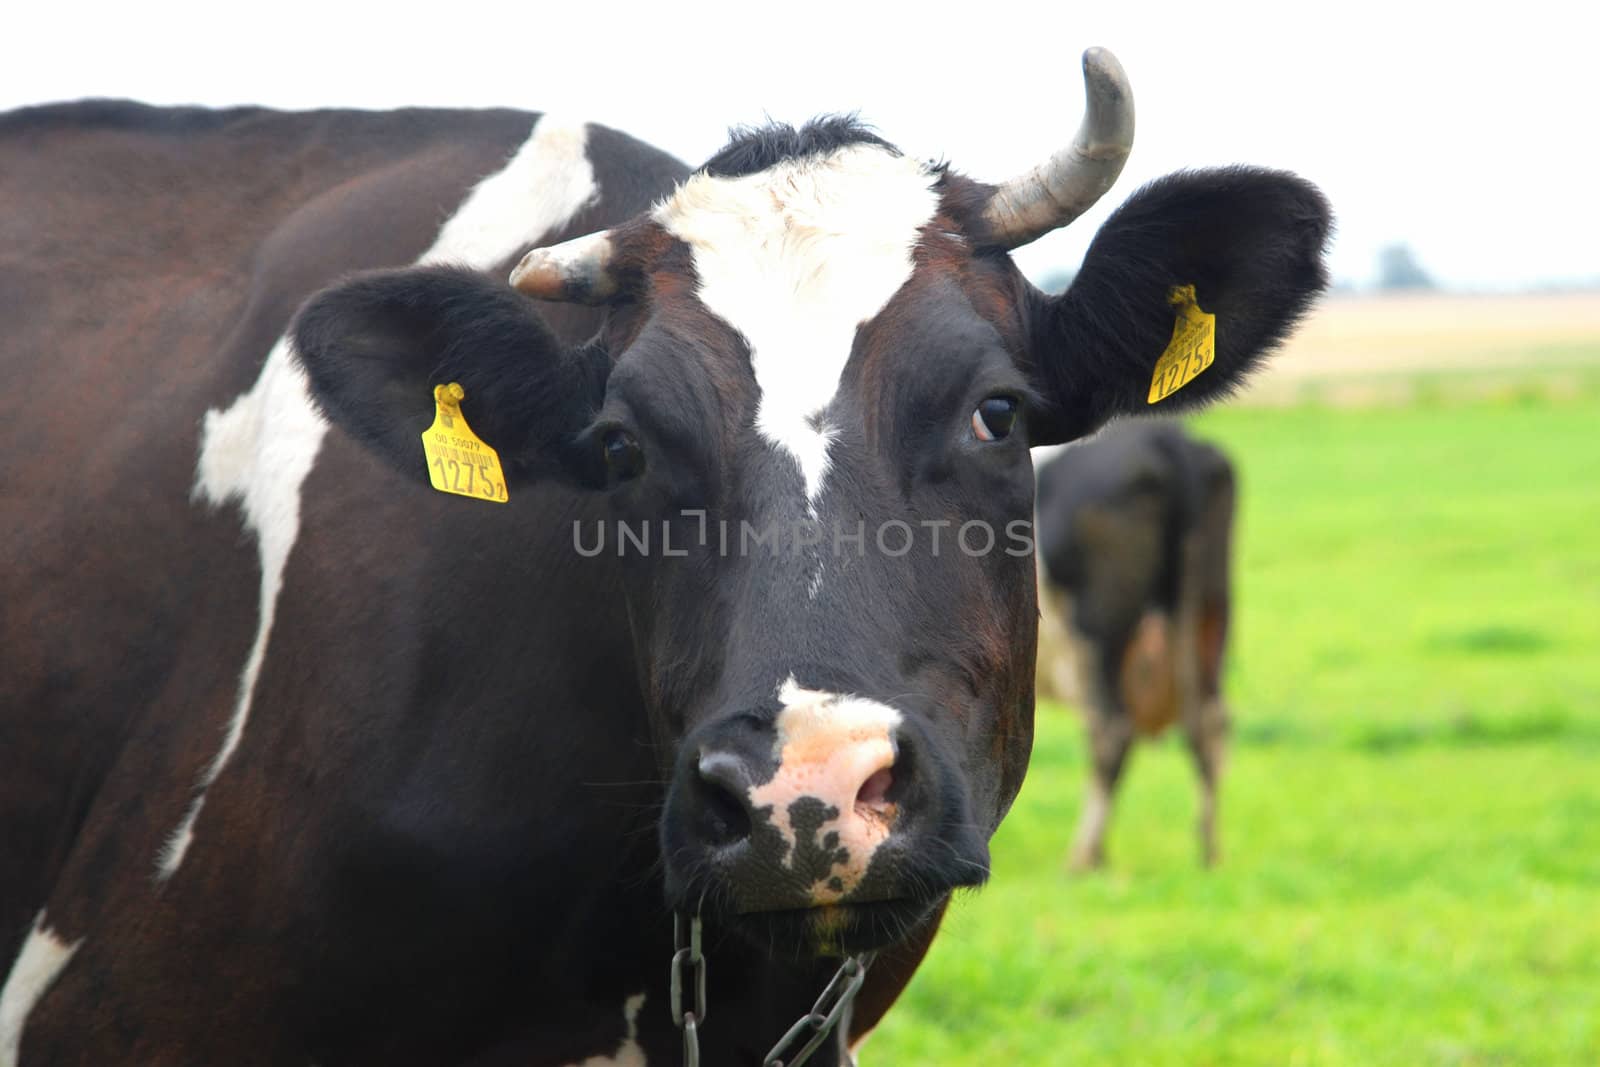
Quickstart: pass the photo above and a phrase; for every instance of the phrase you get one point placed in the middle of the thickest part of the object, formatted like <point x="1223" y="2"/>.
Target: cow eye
<point x="995" y="418"/>
<point x="624" y="458"/>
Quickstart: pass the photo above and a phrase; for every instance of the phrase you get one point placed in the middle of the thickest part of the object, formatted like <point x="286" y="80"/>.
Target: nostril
<point x="726" y="819"/>
<point x="722" y="794"/>
<point x="874" y="792"/>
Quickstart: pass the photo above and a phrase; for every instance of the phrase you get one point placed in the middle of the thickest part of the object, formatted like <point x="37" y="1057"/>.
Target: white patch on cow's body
<point x="41" y="960"/>
<point x="795" y="258"/>
<point x="259" y="452"/>
<point x="547" y="182"/>
<point x="256" y="454"/>
<point x="629" y="1053"/>
<point x="826" y="746"/>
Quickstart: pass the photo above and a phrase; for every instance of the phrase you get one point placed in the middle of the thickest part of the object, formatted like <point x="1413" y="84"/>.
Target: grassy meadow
<point x="1411" y="817"/>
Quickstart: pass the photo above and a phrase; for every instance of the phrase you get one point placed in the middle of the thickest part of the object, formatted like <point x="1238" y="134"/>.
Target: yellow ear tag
<point x="1192" y="349"/>
<point x="458" y="462"/>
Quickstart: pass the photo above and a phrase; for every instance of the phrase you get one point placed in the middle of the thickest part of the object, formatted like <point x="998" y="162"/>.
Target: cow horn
<point x="1067" y="184"/>
<point x="577" y="271"/>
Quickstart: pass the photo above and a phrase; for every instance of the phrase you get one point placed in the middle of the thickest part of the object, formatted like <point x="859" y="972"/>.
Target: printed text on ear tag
<point x="458" y="462"/>
<point x="1192" y="349"/>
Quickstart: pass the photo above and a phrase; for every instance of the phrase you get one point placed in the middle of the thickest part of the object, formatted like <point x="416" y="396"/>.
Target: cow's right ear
<point x="376" y="345"/>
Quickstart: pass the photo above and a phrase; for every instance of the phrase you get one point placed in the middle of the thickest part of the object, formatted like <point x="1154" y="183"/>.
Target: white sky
<point x="1470" y="136"/>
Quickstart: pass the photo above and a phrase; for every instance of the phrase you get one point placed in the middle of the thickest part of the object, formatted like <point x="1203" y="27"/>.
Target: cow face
<point x="816" y="407"/>
<point x="810" y="411"/>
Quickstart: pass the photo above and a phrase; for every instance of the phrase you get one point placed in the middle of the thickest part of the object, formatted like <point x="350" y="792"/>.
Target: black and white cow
<point x="305" y="761"/>
<point x="1134" y="541"/>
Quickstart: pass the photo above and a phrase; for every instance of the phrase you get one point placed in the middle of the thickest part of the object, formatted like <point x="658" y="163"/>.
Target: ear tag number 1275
<point x="458" y="461"/>
<point x="1192" y="349"/>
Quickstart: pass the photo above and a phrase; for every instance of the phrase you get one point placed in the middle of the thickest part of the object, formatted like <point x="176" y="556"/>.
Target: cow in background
<point x="1134" y="533"/>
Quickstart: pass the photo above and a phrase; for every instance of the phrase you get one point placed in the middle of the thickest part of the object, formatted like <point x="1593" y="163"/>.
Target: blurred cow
<point x="1134" y="529"/>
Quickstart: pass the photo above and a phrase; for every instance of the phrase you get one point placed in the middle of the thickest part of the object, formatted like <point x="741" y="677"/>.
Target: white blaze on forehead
<point x="796" y="257"/>
<point x="259" y="452"/>
<point x="827" y="746"/>
<point x="42" y="958"/>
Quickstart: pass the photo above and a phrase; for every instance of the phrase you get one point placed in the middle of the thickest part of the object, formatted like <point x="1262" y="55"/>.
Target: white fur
<point x="42" y="958"/>
<point x="547" y="182"/>
<point x="259" y="452"/>
<point x="795" y="258"/>
<point x="1045" y="453"/>
<point x="628" y="1054"/>
<point x="810" y="711"/>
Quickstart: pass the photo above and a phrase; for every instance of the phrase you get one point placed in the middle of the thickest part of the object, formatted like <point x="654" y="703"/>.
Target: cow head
<point x="817" y="385"/>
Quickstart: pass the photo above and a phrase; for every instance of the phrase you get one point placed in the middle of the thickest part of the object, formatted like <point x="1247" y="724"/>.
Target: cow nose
<point x="816" y="820"/>
<point x="852" y="777"/>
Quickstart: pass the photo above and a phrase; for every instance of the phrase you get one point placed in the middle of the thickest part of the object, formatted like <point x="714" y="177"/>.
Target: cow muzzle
<point x="817" y="826"/>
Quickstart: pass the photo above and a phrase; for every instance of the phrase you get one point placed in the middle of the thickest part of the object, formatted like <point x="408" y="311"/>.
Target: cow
<point x="307" y="761"/>
<point x="1134" y="536"/>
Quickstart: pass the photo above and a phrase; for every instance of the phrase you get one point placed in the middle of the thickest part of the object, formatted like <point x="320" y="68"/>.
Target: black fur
<point x="123" y="115"/>
<point x="752" y="149"/>
<point x="376" y="346"/>
<point x="686" y="647"/>
<point x="1251" y="242"/>
<point x="1153" y="463"/>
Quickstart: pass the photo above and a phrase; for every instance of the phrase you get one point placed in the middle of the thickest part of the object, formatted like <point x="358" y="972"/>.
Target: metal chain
<point x="686" y="955"/>
<point x="824" y="1016"/>
<point x="813" y="1028"/>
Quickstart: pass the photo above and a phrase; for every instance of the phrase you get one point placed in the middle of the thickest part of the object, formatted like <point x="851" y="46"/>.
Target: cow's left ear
<point x="377" y="344"/>
<point x="1249" y="242"/>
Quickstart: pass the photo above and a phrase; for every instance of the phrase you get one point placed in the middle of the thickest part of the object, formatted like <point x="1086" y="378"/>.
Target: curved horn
<point x="1068" y="183"/>
<point x="576" y="271"/>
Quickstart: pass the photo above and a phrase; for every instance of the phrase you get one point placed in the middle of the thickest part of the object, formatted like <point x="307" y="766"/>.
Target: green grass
<point x="1417" y="569"/>
<point x="1411" y="819"/>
